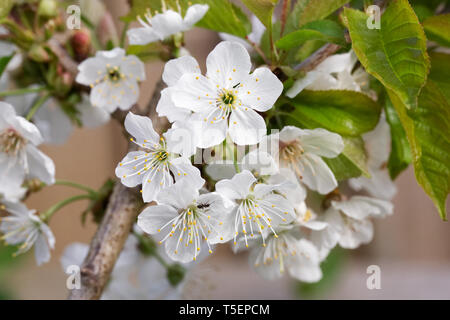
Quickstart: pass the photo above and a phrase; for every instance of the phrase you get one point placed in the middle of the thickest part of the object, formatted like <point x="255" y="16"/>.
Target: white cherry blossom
<point x="113" y="78"/>
<point x="187" y="220"/>
<point x="257" y="208"/>
<point x="155" y="166"/>
<point x="301" y="151"/>
<point x="287" y="253"/>
<point x="378" y="147"/>
<point x="335" y="72"/>
<point x="349" y="223"/>
<point x="20" y="159"/>
<point x="227" y="99"/>
<point x="24" y="227"/>
<point x="162" y="25"/>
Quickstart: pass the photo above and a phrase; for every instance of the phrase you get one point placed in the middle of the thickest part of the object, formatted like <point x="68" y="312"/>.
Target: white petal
<point x="236" y="188"/>
<point x="54" y="125"/>
<point x="129" y="166"/>
<point x="180" y="139"/>
<point x="260" y="90"/>
<point x="194" y="14"/>
<point x="306" y="264"/>
<point x="90" y="116"/>
<point x="167" y="23"/>
<point x="379" y="185"/>
<point x="141" y="128"/>
<point x="290" y="133"/>
<point x="321" y="142"/>
<point x="154" y="217"/>
<point x="166" y="107"/>
<point x="39" y="165"/>
<point x="302" y="83"/>
<point x="361" y="207"/>
<point x="90" y="70"/>
<point x="182" y="169"/>
<point x="228" y="60"/>
<point x="208" y="133"/>
<point x="360" y="232"/>
<point x="195" y="92"/>
<point x="246" y="127"/>
<point x="176" y="68"/>
<point x="12" y="175"/>
<point x="132" y="67"/>
<point x="260" y="162"/>
<point x="180" y="195"/>
<point x="142" y="36"/>
<point x="155" y="181"/>
<point x="317" y="175"/>
<point x="337" y="63"/>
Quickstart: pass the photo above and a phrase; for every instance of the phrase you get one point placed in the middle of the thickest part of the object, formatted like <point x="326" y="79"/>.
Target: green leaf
<point x="4" y="62"/>
<point x="263" y="9"/>
<point x="428" y="130"/>
<point x="400" y="156"/>
<point x="351" y="162"/>
<point x="306" y="11"/>
<point x="440" y="71"/>
<point x="396" y="53"/>
<point x="437" y="29"/>
<point x="345" y="112"/>
<point x="146" y="53"/>
<point x="324" y="30"/>
<point x="222" y="16"/>
<point x="5" y="7"/>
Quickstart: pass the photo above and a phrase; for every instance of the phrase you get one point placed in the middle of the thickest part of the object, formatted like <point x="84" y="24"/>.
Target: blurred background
<point x="412" y="247"/>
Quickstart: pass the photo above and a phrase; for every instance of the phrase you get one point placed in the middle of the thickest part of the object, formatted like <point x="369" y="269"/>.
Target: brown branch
<point x="122" y="210"/>
<point x="317" y="57"/>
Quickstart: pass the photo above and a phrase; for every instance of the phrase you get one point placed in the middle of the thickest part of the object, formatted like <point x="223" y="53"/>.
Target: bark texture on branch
<point x="123" y="207"/>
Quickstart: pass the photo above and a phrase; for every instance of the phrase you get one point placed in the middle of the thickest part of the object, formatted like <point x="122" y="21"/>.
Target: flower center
<point x="227" y="97"/>
<point x="11" y="142"/>
<point x="114" y="74"/>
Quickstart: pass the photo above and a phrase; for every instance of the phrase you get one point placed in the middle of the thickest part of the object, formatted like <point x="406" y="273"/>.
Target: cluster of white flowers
<point x="279" y="200"/>
<point x="261" y="200"/>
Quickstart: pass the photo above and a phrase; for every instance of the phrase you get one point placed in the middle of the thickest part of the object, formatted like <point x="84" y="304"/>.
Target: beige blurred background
<point x="412" y="247"/>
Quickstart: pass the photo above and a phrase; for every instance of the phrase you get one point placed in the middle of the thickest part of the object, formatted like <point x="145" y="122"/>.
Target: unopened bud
<point x="38" y="53"/>
<point x="81" y="44"/>
<point x="48" y="8"/>
<point x="175" y="274"/>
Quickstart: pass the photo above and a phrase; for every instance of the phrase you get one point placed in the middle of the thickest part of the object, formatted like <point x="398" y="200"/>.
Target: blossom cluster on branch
<point x="259" y="154"/>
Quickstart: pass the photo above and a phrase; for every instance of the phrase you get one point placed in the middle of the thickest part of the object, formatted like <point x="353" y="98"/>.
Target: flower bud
<point x="38" y="53"/>
<point x="81" y="44"/>
<point x="175" y="274"/>
<point x="48" y="8"/>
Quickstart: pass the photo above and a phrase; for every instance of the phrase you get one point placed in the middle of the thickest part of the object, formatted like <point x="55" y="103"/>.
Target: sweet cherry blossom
<point x="25" y="228"/>
<point x="156" y="166"/>
<point x="335" y="72"/>
<point x="301" y="151"/>
<point x="113" y="78"/>
<point x="255" y="36"/>
<point x="287" y="252"/>
<point x="20" y="159"/>
<point x="186" y="220"/>
<point x="349" y="222"/>
<point x="162" y="25"/>
<point x="257" y="208"/>
<point x="227" y="98"/>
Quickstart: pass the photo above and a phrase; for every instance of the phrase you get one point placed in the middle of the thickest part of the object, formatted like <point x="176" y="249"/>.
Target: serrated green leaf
<point x="400" y="156"/>
<point x="324" y="30"/>
<point x="352" y="162"/>
<point x="396" y="53"/>
<point x="348" y="113"/>
<point x="437" y="29"/>
<point x="4" y="63"/>
<point x="440" y="71"/>
<point x="428" y="130"/>
<point x="306" y="11"/>
<point x="263" y="9"/>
